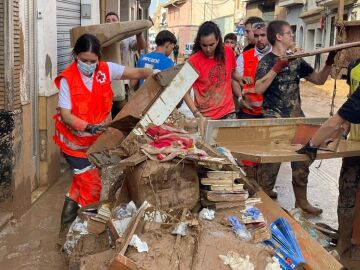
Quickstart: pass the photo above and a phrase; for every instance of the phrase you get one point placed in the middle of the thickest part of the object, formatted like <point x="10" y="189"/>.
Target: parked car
<point x="188" y="49"/>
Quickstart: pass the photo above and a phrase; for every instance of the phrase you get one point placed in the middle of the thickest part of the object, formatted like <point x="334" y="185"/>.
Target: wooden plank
<point x="323" y="50"/>
<point x="169" y="98"/>
<point x="316" y="257"/>
<point x="218" y="196"/>
<point x="270" y="152"/>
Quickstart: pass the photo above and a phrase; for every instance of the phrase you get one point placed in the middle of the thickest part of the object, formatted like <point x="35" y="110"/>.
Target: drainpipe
<point x="102" y="10"/>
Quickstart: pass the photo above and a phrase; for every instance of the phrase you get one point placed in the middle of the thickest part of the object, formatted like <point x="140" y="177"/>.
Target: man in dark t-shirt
<point x="278" y="80"/>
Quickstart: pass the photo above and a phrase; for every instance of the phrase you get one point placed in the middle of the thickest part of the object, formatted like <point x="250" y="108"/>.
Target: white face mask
<point x="85" y="68"/>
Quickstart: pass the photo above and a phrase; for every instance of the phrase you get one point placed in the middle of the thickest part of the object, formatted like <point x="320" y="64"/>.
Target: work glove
<point x="95" y="129"/>
<point x="279" y="65"/>
<point x="331" y="58"/>
<point x="308" y="150"/>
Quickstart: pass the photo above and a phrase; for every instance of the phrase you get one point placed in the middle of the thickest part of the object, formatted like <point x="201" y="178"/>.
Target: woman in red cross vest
<point x="85" y="100"/>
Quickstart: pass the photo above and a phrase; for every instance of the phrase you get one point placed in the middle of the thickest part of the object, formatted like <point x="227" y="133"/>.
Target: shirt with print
<point x="212" y="89"/>
<point x="282" y="98"/>
<point x="154" y="60"/>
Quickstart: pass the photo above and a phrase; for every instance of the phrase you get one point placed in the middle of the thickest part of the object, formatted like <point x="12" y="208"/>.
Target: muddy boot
<point x="302" y="202"/>
<point x="345" y="220"/>
<point x="68" y="215"/>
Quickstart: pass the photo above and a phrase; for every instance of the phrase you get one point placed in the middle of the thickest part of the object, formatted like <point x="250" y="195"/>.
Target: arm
<point x="264" y="83"/>
<point x="140" y="42"/>
<point x="71" y="120"/>
<point x="320" y="77"/>
<point x="236" y="83"/>
<point x="327" y="129"/>
<point x="261" y="85"/>
<point x="190" y="103"/>
<point x="136" y="73"/>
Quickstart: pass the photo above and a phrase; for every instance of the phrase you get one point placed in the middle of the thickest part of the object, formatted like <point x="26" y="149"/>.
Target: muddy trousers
<point x="267" y="174"/>
<point x="349" y="181"/>
<point x="86" y="184"/>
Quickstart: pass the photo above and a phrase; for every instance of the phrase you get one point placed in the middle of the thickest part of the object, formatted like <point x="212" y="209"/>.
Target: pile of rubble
<point x="171" y="201"/>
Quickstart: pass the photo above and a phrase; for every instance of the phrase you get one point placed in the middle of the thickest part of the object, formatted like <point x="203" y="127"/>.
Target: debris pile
<point x="175" y="202"/>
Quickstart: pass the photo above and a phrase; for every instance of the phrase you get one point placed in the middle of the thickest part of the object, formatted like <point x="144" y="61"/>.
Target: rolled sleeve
<point x="350" y="110"/>
<point x="64" y="95"/>
<point x="240" y="65"/>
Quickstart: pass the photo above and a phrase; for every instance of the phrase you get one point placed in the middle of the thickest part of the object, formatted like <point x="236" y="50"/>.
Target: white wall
<point x="95" y="12"/>
<point x="47" y="42"/>
<point x="292" y="17"/>
<point x="46" y="47"/>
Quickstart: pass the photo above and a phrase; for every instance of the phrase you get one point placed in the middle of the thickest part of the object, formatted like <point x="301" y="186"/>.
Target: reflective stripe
<point x="69" y="144"/>
<point x="88" y="168"/>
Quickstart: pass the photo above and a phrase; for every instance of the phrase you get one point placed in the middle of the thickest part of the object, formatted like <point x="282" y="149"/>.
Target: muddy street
<point x="31" y="242"/>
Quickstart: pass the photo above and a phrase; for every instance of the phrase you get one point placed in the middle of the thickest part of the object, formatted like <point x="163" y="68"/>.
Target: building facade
<point x="35" y="47"/>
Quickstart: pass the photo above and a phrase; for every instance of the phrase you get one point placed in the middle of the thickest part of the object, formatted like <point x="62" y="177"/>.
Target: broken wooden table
<point x="269" y="140"/>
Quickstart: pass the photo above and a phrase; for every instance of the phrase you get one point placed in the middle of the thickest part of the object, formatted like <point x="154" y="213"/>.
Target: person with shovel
<point x="84" y="107"/>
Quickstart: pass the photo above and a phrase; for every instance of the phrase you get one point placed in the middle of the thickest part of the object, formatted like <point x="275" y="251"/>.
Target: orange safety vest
<point x="255" y="100"/>
<point x="93" y="107"/>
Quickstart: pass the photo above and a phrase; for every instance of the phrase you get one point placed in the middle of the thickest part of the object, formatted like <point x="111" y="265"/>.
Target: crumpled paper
<point x="141" y="246"/>
<point x="180" y="228"/>
<point x="274" y="265"/>
<point x="207" y="214"/>
<point x="236" y="262"/>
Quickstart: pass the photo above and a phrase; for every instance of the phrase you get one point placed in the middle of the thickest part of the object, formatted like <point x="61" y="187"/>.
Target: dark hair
<point x="165" y="36"/>
<point x="112" y="13"/>
<point x="231" y="36"/>
<point x="87" y="43"/>
<point x="253" y="19"/>
<point x="274" y="28"/>
<point x="206" y="29"/>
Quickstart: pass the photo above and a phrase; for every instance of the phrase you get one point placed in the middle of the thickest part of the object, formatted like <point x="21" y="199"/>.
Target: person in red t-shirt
<point x="216" y="65"/>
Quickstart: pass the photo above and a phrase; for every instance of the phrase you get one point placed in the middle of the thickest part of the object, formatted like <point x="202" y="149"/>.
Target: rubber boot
<point x="302" y="202"/>
<point x="345" y="220"/>
<point x="69" y="212"/>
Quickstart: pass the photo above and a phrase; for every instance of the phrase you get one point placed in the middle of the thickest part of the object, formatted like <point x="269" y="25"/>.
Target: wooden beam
<point x="341" y="12"/>
<point x="323" y="50"/>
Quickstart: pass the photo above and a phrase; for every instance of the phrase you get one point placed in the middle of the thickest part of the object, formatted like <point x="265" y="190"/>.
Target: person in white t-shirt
<point x="85" y="100"/>
<point x="127" y="48"/>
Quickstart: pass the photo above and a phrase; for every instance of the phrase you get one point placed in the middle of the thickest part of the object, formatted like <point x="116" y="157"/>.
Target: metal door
<point x="68" y="15"/>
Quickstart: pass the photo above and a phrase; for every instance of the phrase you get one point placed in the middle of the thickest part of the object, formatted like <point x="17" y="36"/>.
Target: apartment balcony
<point x="290" y="3"/>
<point x="333" y="3"/>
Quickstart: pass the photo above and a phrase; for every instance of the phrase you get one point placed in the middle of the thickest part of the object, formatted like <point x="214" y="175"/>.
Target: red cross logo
<point x="100" y="77"/>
